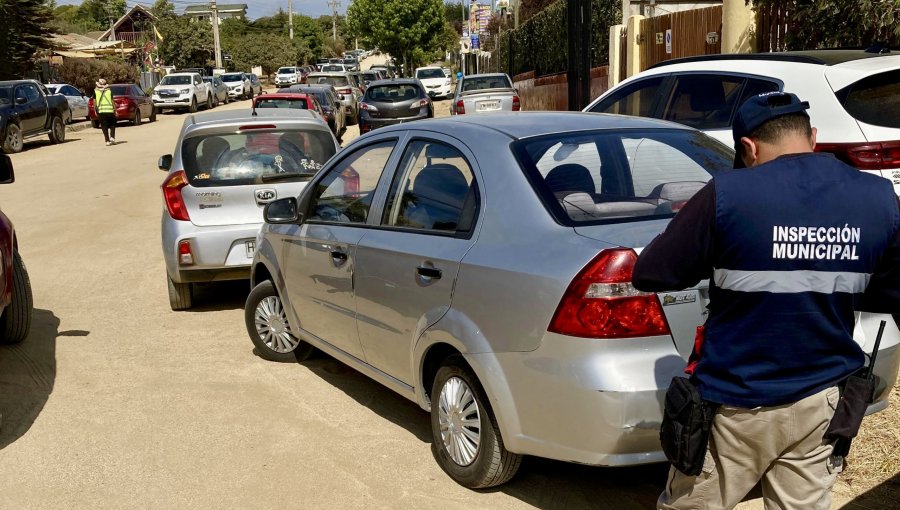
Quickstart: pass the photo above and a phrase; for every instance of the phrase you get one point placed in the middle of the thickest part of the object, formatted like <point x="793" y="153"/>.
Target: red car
<point x="289" y="100"/>
<point x="132" y="104"/>
<point x="16" y="305"/>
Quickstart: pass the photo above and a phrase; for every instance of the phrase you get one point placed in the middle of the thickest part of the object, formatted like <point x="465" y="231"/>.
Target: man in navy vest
<point x="792" y="245"/>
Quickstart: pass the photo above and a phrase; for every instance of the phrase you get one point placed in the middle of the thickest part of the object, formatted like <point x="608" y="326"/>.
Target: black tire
<point x="215" y="100"/>
<point x="180" y="295"/>
<point x="12" y="139"/>
<point x="354" y="119"/>
<point x="152" y="114"/>
<point x="57" y="130"/>
<point x="136" y="121"/>
<point x="16" y="320"/>
<point x="492" y="465"/>
<point x="193" y="107"/>
<point x="266" y="291"/>
<point x="209" y="104"/>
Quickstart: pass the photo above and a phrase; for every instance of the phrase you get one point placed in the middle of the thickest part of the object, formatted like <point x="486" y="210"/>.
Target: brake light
<point x="460" y="107"/>
<point x="172" y="194"/>
<point x="517" y="105"/>
<point x="368" y="107"/>
<point x="420" y="104"/>
<point x="601" y="302"/>
<point x="257" y="126"/>
<point x="865" y="156"/>
<point x="185" y="255"/>
<point x="344" y="91"/>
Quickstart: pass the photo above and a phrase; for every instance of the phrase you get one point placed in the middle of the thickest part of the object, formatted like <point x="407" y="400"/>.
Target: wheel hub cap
<point x="460" y="421"/>
<point x="272" y="325"/>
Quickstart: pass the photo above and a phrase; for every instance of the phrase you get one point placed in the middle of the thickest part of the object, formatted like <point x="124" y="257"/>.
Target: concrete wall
<point x="551" y="93"/>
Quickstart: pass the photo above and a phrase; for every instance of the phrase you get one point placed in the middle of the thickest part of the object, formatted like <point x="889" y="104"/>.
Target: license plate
<point x="486" y="106"/>
<point x="169" y="100"/>
<point x="251" y="248"/>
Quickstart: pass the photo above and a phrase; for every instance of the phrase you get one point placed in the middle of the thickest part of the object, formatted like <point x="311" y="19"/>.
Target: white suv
<point x="287" y="76"/>
<point x="182" y="91"/>
<point x="854" y="98"/>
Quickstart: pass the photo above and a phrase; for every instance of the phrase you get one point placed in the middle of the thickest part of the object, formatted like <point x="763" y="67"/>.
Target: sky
<point x="255" y="8"/>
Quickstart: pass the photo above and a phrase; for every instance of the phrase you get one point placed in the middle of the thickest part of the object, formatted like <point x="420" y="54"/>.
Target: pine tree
<point x="24" y="31"/>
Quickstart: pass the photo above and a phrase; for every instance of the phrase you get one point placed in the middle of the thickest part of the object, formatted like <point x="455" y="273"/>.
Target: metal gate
<point x="681" y="34"/>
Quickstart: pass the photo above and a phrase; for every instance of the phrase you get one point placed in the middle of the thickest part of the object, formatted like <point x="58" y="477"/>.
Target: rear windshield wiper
<point x="286" y="176"/>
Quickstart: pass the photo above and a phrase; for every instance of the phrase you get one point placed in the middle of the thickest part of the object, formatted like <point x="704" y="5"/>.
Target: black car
<point x="390" y="102"/>
<point x="328" y="97"/>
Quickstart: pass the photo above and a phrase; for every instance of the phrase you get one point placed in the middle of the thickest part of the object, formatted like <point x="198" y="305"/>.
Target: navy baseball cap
<point x="760" y="109"/>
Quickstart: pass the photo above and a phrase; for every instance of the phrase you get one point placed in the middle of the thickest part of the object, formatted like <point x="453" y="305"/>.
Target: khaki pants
<point x="782" y="446"/>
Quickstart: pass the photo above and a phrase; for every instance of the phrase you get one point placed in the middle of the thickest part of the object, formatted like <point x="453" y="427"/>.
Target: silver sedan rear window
<point x="242" y="158"/>
<point x="613" y="176"/>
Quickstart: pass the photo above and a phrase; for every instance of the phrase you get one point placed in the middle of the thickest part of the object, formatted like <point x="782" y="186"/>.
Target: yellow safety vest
<point x="103" y="99"/>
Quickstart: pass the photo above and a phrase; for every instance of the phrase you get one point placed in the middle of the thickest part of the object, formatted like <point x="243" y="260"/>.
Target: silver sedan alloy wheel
<point x="272" y="325"/>
<point x="460" y="419"/>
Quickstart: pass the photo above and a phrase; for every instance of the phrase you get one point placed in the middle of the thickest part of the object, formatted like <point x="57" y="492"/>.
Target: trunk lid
<point x="234" y="205"/>
<point x="494" y="101"/>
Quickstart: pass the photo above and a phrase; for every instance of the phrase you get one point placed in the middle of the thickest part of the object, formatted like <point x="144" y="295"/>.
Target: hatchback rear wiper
<point x="285" y="176"/>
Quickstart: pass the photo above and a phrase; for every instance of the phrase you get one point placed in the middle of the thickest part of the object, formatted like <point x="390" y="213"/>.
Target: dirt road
<point x="115" y="401"/>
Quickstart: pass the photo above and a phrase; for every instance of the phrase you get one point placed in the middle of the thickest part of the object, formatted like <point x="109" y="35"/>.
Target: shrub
<point x="84" y="73"/>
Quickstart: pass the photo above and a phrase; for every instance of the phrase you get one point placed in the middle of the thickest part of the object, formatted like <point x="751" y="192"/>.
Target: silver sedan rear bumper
<point x="219" y="252"/>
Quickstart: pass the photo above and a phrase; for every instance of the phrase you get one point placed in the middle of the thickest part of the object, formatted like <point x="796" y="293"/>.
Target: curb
<point x="80" y="126"/>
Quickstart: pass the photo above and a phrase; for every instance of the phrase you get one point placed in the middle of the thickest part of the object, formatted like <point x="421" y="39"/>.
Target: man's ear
<point x="750" y="152"/>
<point x="812" y="139"/>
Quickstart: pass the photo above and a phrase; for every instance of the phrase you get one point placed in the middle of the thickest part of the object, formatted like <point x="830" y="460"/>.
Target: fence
<point x="694" y="32"/>
<point x="772" y="20"/>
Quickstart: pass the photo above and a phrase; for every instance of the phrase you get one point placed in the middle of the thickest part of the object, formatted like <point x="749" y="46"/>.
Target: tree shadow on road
<point x="542" y="483"/>
<point x="884" y="495"/>
<point x="27" y="376"/>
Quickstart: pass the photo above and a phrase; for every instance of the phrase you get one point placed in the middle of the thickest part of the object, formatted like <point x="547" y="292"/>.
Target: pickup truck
<point x="182" y="91"/>
<point x="485" y="93"/>
<point x="27" y="110"/>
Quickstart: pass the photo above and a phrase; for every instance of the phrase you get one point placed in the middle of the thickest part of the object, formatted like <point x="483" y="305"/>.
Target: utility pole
<point x="215" y="24"/>
<point x="334" y="4"/>
<point x="516" y="14"/>
<point x="291" y="18"/>
<point x="112" y="20"/>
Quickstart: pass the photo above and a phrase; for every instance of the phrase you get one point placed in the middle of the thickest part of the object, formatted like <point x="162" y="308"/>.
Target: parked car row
<point x="388" y="255"/>
<point x="29" y="110"/>
<point x="334" y="113"/>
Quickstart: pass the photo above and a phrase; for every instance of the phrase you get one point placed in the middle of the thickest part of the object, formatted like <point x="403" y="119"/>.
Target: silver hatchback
<point x="225" y="168"/>
<point x="481" y="267"/>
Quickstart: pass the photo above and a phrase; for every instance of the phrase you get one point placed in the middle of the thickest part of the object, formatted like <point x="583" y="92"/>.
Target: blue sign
<point x="476" y="42"/>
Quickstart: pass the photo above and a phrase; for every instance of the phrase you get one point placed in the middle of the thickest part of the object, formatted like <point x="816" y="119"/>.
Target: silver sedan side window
<point x="432" y="190"/>
<point x="345" y="194"/>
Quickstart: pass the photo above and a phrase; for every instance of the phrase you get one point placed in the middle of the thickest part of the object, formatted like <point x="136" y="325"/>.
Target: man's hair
<point x="776" y="129"/>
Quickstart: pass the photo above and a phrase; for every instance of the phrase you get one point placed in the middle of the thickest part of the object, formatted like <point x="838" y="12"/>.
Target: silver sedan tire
<point x="268" y="327"/>
<point x="466" y="440"/>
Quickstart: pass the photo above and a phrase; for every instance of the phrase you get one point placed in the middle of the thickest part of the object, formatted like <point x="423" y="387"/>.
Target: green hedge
<point x="541" y="43"/>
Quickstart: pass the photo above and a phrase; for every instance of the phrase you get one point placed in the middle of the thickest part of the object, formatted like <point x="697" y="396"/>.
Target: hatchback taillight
<point x="865" y="156"/>
<point x="368" y="107"/>
<point x="517" y="105"/>
<point x="172" y="187"/>
<point x="601" y="302"/>
<point x="460" y="107"/>
<point x="344" y="91"/>
<point x="420" y="104"/>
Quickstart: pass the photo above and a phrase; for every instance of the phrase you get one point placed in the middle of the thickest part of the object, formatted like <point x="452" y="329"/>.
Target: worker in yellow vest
<point x="105" y="107"/>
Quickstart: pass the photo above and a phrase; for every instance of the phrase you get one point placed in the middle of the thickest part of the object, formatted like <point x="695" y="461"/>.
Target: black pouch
<point x="848" y="416"/>
<point x="687" y="421"/>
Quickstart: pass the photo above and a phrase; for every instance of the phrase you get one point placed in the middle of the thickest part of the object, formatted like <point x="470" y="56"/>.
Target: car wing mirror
<point x="282" y="211"/>
<point x="165" y="162"/>
<point x="7" y="176"/>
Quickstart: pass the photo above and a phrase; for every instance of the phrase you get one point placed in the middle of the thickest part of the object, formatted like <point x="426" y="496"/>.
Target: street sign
<point x="669" y="41"/>
<point x="476" y="42"/>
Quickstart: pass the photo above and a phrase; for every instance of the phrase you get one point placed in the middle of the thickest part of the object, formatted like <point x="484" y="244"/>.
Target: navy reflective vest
<point x="796" y="241"/>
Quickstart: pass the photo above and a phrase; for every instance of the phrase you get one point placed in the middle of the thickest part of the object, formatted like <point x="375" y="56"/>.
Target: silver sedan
<point x="226" y="167"/>
<point x="481" y="267"/>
